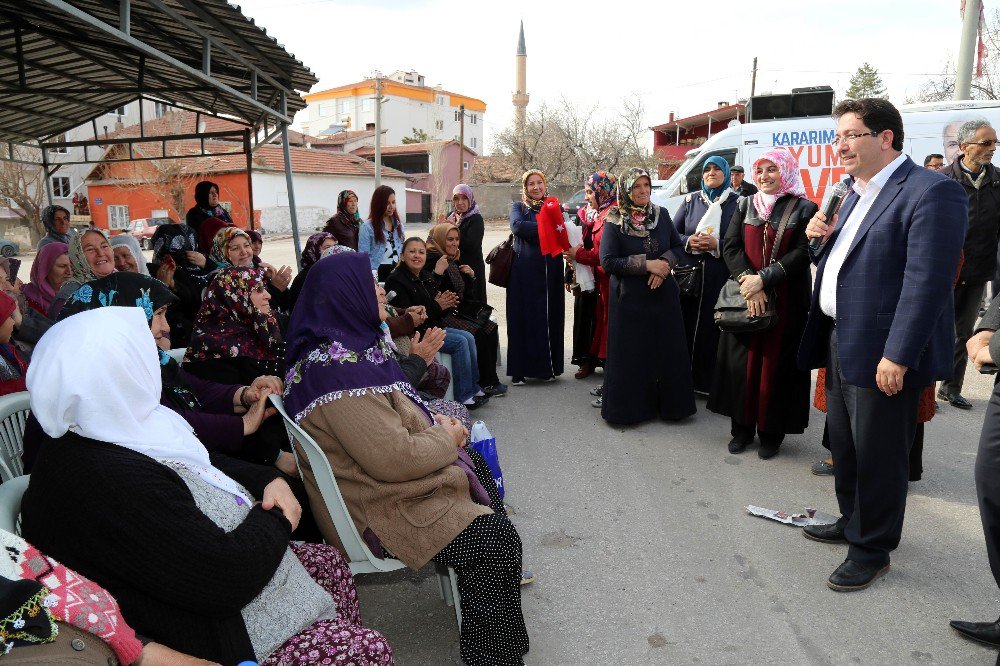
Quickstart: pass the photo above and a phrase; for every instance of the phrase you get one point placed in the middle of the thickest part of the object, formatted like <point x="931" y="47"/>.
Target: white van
<point x="927" y="128"/>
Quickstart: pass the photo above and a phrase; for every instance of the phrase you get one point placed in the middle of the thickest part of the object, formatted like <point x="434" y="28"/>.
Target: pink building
<point x="434" y="170"/>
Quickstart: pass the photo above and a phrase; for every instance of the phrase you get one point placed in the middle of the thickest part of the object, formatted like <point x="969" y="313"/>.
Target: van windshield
<point x="691" y="170"/>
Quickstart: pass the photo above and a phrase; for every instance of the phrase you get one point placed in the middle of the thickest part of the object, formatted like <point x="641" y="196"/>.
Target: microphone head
<point x="840" y="189"/>
<point x="391" y="295"/>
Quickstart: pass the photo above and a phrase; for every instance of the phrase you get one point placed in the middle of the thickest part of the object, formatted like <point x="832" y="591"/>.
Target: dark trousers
<point x="486" y="557"/>
<point x="870" y="438"/>
<point x="988" y="481"/>
<point x="747" y="431"/>
<point x="968" y="300"/>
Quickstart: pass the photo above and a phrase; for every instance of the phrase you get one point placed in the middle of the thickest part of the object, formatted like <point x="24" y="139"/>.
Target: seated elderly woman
<point x="414" y="285"/>
<point x="178" y="264"/>
<point x="226" y="417"/>
<point x="195" y="548"/>
<point x="234" y="247"/>
<point x="128" y="254"/>
<point x="315" y="245"/>
<point x="408" y="482"/>
<point x="471" y="313"/>
<point x="90" y="257"/>
<point x="48" y="273"/>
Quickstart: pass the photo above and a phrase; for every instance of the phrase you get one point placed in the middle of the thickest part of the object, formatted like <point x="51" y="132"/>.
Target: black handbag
<point x="690" y="279"/>
<point x="731" y="314"/>
<point x="500" y="259"/>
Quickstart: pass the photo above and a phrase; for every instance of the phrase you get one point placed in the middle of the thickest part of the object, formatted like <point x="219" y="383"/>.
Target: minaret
<point x="521" y="90"/>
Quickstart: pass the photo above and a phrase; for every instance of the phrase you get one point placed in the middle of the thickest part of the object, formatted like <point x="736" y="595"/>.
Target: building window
<point x="367" y="104"/>
<point x="458" y="116"/>
<point x="474" y="119"/>
<point x="473" y="143"/>
<point x="61" y="187"/>
<point x="120" y="111"/>
<point x="344" y="106"/>
<point x="465" y="165"/>
<point x="118" y="217"/>
<point x="439" y="124"/>
<point x="62" y="150"/>
<point x="160" y="109"/>
<point x="439" y="100"/>
<point x="326" y="109"/>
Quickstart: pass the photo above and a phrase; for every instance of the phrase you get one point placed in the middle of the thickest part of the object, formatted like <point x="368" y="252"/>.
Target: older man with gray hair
<point x="972" y="169"/>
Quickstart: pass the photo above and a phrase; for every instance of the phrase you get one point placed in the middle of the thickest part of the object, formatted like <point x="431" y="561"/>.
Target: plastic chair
<point x="177" y="354"/>
<point x="360" y="557"/>
<point x="445" y="360"/>
<point x="11" y="492"/>
<point x="14" y="408"/>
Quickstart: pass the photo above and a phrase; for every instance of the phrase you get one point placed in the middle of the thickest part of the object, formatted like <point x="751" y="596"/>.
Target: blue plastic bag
<point x="486" y="445"/>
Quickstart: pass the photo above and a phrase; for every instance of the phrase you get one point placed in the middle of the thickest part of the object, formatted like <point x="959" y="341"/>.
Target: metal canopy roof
<point x="64" y="63"/>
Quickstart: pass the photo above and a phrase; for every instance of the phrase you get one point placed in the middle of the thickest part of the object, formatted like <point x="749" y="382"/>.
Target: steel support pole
<point x="290" y="184"/>
<point x="967" y="50"/>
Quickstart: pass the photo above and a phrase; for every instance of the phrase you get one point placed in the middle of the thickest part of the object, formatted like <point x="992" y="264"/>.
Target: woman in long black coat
<point x="702" y="221"/>
<point x="758" y="383"/>
<point x="469" y="220"/>
<point x="535" y="296"/>
<point x="648" y="373"/>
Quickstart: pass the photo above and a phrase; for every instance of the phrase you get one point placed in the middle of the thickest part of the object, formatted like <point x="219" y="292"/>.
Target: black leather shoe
<point x="768" y="450"/>
<point x="477" y="402"/>
<point x="826" y="533"/>
<point x="959" y="401"/>
<point x="739" y="443"/>
<point x="852" y="576"/>
<point x="987" y="633"/>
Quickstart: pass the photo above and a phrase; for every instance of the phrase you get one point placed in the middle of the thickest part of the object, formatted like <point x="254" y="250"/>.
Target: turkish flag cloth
<point x="552" y="235"/>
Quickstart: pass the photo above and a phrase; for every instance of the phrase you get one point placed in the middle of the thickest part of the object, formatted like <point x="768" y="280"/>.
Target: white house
<point x="408" y="104"/>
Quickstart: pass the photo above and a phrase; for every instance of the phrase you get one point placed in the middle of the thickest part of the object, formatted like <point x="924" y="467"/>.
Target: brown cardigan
<point x="395" y="472"/>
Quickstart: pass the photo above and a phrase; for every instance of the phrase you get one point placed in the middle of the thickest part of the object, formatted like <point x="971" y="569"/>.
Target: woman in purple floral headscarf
<point x="408" y="482"/>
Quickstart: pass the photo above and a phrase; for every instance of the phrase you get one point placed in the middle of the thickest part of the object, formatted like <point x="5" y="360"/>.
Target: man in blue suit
<point x="882" y="323"/>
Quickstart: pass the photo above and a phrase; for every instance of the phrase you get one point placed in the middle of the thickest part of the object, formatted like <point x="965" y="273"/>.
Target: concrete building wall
<point x="495" y="199"/>
<point x="400" y="115"/>
<point x="315" y="199"/>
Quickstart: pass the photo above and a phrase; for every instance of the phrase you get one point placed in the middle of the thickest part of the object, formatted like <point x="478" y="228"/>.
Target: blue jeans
<point x="464" y="362"/>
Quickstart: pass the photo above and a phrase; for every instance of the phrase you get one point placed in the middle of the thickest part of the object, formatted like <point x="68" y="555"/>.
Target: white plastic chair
<point x="11" y="492"/>
<point x="360" y="557"/>
<point x="177" y="354"/>
<point x="445" y="360"/>
<point x="14" y="408"/>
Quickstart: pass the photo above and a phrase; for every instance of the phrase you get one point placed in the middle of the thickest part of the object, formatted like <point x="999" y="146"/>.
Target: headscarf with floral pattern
<point x="311" y="252"/>
<point x="603" y="184"/>
<point x="229" y="325"/>
<point x="791" y="180"/>
<point x="533" y="204"/>
<point x="220" y="245"/>
<point x="634" y="220"/>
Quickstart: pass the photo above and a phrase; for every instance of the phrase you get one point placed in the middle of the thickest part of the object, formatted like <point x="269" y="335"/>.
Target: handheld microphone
<point x="391" y="295"/>
<point x="831" y="202"/>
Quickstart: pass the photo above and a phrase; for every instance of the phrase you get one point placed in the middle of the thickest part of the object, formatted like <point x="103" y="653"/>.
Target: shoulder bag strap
<point x="792" y="205"/>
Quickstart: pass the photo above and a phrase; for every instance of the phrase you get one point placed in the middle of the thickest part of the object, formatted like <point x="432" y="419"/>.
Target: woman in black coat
<point x="469" y="220"/>
<point x="702" y="221"/>
<point x="758" y="383"/>
<point x="648" y="373"/>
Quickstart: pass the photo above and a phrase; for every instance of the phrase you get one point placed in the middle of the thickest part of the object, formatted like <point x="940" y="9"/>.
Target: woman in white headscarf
<point x="124" y="493"/>
<point x="131" y="261"/>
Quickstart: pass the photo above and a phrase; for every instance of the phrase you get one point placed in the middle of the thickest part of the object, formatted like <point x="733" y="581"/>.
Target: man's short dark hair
<point x="933" y="156"/>
<point x="737" y="168"/>
<point x="877" y="114"/>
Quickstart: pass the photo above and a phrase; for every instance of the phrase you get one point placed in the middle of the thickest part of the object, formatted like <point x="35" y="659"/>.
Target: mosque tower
<point x="521" y="90"/>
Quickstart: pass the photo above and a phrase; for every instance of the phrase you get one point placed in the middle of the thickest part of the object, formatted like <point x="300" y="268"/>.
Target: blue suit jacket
<point x="895" y="292"/>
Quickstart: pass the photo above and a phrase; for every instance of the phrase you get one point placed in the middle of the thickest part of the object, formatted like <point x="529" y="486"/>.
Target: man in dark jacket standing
<point x="981" y="180"/>
<point x="740" y="186"/>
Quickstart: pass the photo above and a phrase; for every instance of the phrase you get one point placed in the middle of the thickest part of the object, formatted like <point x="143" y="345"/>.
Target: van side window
<point x="694" y="175"/>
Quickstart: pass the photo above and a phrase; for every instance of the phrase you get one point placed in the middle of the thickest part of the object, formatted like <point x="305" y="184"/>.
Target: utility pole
<point x="378" y="128"/>
<point x="967" y="50"/>
<point x="461" y="143"/>
<point x="753" y="78"/>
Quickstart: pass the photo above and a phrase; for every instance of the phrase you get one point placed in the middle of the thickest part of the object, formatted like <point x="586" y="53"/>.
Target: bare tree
<point x="22" y="183"/>
<point x="568" y="143"/>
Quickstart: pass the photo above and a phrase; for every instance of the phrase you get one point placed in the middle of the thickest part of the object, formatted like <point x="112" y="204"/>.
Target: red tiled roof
<point x="340" y="138"/>
<point x="409" y="149"/>
<point x="183" y="122"/>
<point x="266" y="158"/>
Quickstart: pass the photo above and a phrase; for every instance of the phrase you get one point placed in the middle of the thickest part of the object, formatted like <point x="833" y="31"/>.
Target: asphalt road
<point x="645" y="554"/>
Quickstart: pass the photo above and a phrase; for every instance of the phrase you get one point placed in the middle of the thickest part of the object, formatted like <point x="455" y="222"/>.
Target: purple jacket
<point x="214" y="424"/>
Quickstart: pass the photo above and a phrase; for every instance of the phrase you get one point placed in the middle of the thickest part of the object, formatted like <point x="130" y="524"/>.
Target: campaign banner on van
<point x="818" y="159"/>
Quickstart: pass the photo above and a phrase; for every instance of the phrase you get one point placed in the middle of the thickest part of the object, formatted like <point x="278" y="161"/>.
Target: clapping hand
<point x="428" y="345"/>
<point x="281" y="278"/>
<point x="418" y="314"/>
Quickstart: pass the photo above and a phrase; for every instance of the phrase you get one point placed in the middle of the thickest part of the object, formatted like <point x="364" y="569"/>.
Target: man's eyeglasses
<point x="987" y="143"/>
<point x="850" y="138"/>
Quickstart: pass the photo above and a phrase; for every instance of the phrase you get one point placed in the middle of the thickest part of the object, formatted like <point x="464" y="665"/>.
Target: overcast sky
<point x="598" y="53"/>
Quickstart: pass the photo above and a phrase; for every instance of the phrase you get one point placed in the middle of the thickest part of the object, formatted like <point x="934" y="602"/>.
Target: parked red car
<point x="144" y="228"/>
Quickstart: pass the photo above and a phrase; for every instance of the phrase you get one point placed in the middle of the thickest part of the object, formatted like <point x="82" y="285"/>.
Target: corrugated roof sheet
<point x="61" y="69"/>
